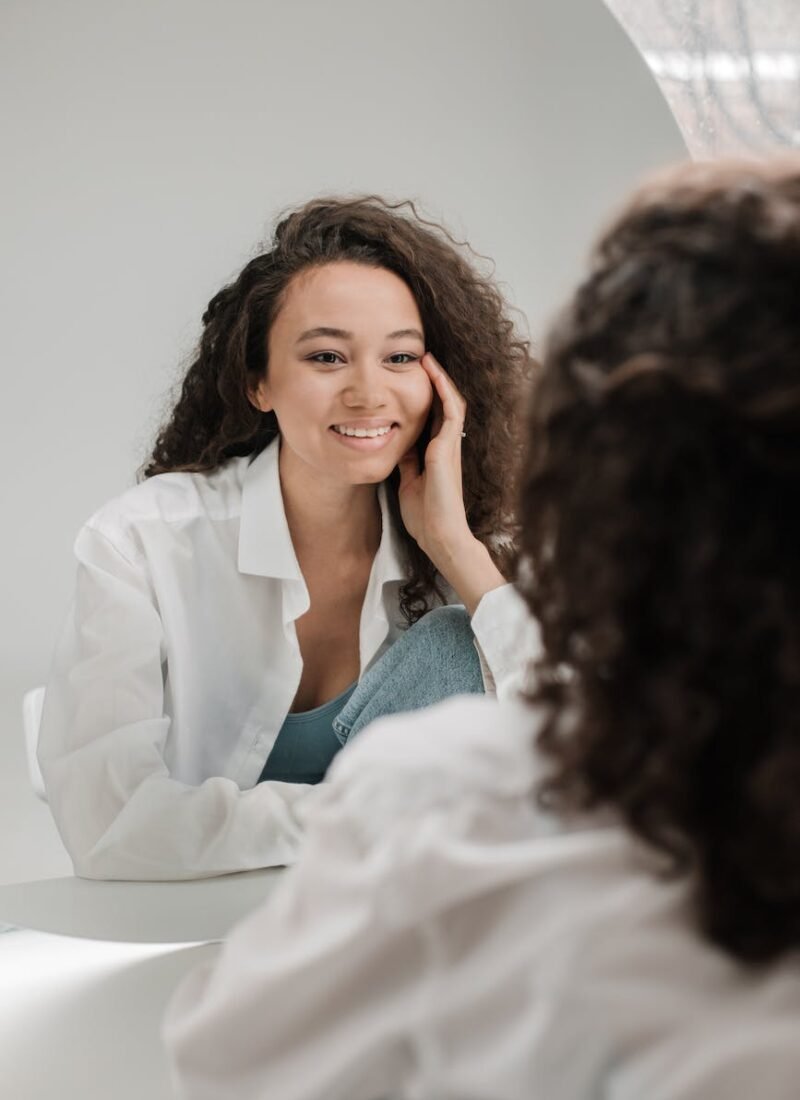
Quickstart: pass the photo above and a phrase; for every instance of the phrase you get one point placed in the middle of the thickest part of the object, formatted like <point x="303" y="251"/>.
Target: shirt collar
<point x="388" y="564"/>
<point x="265" y="545"/>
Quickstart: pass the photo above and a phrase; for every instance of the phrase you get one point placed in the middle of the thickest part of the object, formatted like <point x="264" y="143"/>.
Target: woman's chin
<point x="366" y="467"/>
<point x="370" y="473"/>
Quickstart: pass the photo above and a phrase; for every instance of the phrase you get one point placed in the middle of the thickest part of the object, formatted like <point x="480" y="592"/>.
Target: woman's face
<point x="344" y="377"/>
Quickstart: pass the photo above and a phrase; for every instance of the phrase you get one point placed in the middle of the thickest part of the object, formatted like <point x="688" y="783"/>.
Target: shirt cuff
<point x="507" y="638"/>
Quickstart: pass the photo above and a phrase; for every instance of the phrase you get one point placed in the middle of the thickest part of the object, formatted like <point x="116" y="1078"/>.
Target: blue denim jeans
<point x="434" y="659"/>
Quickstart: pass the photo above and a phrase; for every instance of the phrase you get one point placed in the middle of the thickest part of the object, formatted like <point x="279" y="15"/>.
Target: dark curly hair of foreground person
<point x="662" y="549"/>
<point x="467" y="327"/>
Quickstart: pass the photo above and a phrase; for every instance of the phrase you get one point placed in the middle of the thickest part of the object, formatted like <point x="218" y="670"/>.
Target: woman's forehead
<point x="346" y="294"/>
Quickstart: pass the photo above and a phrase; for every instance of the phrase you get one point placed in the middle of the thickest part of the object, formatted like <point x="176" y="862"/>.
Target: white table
<point x="85" y="980"/>
<point x="81" y="1018"/>
<point x="194" y="911"/>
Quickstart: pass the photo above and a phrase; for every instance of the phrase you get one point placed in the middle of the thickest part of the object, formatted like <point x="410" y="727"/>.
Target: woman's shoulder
<point x="173" y="497"/>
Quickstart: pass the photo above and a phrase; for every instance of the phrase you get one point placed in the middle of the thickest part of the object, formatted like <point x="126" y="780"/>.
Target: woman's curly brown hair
<point x="467" y="327"/>
<point x="660" y="544"/>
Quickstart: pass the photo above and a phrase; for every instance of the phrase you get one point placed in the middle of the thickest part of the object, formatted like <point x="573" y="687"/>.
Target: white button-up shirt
<point x="441" y="938"/>
<point x="177" y="666"/>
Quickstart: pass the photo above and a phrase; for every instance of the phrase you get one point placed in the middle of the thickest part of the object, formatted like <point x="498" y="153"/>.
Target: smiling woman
<point x="282" y="575"/>
<point x="343" y="394"/>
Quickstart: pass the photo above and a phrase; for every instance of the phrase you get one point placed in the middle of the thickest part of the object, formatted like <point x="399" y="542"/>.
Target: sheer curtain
<point x="729" y="69"/>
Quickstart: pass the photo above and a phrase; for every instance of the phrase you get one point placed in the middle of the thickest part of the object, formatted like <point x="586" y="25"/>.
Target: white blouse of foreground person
<point x="441" y="938"/>
<point x="150" y="780"/>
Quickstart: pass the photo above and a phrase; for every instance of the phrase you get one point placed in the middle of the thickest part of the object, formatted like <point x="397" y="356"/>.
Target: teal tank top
<point x="306" y="743"/>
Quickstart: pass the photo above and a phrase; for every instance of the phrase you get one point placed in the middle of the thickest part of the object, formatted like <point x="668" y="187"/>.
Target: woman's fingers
<point x="454" y="407"/>
<point x="432" y="502"/>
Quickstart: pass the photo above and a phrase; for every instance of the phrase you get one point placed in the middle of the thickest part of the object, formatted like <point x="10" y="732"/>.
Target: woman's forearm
<point x="468" y="568"/>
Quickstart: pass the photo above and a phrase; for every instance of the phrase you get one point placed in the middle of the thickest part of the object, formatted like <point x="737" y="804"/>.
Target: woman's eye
<point x="329" y="358"/>
<point x="403" y="358"/>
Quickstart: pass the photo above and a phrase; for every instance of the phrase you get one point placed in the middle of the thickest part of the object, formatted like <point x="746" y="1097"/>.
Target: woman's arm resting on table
<point x="101" y="749"/>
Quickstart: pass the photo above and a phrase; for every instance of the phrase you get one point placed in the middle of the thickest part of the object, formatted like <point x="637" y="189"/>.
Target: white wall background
<point x="147" y="147"/>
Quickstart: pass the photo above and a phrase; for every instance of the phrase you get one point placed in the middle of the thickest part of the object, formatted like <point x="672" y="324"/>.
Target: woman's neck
<point x="343" y="521"/>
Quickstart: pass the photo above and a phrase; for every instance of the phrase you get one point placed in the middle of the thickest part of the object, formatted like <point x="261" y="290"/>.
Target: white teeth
<point x="361" y="433"/>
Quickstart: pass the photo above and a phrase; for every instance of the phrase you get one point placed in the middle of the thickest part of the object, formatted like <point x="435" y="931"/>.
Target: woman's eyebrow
<point x="403" y="332"/>
<point x="324" y="330"/>
<point x="342" y="334"/>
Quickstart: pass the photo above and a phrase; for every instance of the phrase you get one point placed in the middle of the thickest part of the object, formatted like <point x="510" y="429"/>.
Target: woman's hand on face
<point x="432" y="501"/>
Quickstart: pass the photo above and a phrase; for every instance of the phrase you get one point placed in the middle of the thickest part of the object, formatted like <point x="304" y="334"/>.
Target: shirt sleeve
<point x="507" y="638"/>
<point x="338" y="987"/>
<point x="101" y="747"/>
<point x="313" y="996"/>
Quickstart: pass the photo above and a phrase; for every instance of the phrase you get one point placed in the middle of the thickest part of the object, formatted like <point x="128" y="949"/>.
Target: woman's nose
<point x="365" y="387"/>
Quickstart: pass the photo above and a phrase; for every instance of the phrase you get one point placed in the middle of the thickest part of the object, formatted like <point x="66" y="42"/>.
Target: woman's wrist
<point x="468" y="568"/>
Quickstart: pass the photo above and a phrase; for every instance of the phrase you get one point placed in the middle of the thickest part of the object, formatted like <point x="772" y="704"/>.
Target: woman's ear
<point x="258" y="396"/>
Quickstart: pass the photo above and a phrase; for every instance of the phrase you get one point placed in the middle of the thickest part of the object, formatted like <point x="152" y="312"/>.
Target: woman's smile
<point x="364" y="435"/>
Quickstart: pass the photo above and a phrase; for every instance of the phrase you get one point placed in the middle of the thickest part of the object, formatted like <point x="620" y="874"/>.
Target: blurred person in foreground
<point x="593" y="890"/>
